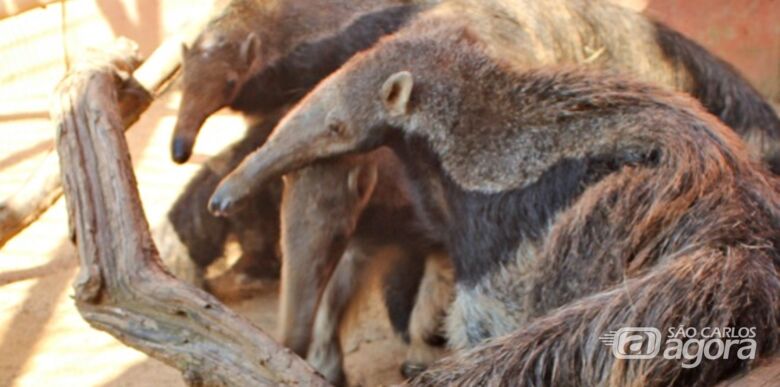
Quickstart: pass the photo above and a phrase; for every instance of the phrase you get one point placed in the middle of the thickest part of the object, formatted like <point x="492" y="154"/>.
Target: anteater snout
<point x="181" y="150"/>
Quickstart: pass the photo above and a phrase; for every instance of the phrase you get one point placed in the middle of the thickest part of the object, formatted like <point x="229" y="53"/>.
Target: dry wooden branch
<point x="44" y="187"/>
<point x="122" y="287"/>
<point x="15" y="7"/>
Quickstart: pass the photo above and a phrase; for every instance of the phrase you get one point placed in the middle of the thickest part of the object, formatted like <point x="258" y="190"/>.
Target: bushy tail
<point x="737" y="287"/>
<point x="725" y="93"/>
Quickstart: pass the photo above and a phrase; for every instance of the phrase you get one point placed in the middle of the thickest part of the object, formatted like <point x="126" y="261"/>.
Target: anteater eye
<point x="230" y="84"/>
<point x="336" y="127"/>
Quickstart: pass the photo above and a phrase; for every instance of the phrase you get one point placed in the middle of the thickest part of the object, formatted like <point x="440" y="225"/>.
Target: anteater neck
<point x="288" y="79"/>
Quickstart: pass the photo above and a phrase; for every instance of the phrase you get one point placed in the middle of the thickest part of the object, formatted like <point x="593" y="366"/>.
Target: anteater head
<point x="343" y="115"/>
<point x="214" y="70"/>
<point x="394" y="88"/>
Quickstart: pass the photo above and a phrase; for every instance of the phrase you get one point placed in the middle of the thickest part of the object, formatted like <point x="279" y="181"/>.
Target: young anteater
<point x="256" y="57"/>
<point x="357" y="206"/>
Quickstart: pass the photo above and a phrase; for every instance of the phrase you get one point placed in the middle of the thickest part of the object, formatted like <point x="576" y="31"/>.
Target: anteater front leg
<point x="325" y="352"/>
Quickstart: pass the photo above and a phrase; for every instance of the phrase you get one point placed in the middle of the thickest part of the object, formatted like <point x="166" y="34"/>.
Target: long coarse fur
<point x="573" y="203"/>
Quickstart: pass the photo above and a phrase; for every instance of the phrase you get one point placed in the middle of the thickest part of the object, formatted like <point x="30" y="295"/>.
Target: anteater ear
<point x="184" y="50"/>
<point x="250" y="49"/>
<point x="396" y="93"/>
<point x="362" y="181"/>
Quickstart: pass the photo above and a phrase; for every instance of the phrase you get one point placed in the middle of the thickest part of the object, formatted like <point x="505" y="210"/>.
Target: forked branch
<point x="122" y="287"/>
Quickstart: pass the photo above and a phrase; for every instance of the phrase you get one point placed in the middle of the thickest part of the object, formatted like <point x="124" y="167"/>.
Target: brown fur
<point x="247" y="38"/>
<point x="356" y="205"/>
<point x="284" y="47"/>
<point x="572" y="203"/>
<point x="433" y="299"/>
<point x="530" y="34"/>
<point x="578" y="32"/>
<point x="325" y="353"/>
<point x="256" y="229"/>
<point x="255" y="42"/>
<point x="281" y="48"/>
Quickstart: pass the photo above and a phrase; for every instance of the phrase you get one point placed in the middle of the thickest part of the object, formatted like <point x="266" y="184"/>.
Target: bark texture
<point x="122" y="287"/>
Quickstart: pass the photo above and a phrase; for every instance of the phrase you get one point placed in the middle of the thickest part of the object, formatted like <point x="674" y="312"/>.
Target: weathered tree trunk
<point x="122" y="287"/>
<point x="44" y="187"/>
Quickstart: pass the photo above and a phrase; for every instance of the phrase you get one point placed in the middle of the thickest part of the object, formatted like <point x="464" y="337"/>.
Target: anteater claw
<point x="222" y="204"/>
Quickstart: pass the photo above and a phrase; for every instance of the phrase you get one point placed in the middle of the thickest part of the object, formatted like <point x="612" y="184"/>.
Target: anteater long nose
<point x="181" y="150"/>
